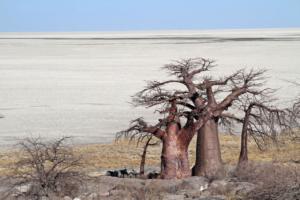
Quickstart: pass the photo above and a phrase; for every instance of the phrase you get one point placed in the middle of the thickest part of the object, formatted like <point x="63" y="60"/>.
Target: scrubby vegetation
<point x="274" y="180"/>
<point x="281" y="159"/>
<point x="45" y="168"/>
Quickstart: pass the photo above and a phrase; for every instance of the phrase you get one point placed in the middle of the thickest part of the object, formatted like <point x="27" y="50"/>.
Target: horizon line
<point x="155" y="30"/>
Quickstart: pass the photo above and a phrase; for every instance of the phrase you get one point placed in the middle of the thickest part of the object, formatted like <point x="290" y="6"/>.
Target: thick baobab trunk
<point x="175" y="162"/>
<point x="208" y="154"/>
<point x="174" y="159"/>
<point x="184" y="165"/>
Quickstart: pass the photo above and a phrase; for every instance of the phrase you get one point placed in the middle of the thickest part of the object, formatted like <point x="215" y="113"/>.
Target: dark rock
<point x="153" y="175"/>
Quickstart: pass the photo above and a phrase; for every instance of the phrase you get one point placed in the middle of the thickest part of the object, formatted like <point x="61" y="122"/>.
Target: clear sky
<point x="119" y="15"/>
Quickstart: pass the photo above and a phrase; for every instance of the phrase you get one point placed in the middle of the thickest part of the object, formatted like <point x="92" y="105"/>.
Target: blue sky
<point x="124" y="15"/>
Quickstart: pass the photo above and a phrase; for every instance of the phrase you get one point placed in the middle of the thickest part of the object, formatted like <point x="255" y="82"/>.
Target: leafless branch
<point x="47" y="167"/>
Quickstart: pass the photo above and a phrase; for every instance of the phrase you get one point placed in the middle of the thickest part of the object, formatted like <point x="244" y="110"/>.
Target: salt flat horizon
<point x="79" y="84"/>
<point x="153" y="33"/>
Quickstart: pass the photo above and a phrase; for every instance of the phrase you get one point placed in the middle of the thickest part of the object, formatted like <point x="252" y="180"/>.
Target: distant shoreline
<point x="165" y="30"/>
<point x="145" y="34"/>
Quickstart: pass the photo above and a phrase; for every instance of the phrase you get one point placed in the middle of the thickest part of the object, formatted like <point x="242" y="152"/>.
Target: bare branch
<point x="47" y="166"/>
<point x="139" y="129"/>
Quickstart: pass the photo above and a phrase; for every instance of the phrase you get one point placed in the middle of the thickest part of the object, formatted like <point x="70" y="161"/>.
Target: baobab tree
<point x="259" y="118"/>
<point x="174" y="136"/>
<point x="207" y="98"/>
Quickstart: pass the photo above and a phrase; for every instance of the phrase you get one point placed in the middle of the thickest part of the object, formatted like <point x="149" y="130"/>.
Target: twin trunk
<point x="174" y="157"/>
<point x="208" y="154"/>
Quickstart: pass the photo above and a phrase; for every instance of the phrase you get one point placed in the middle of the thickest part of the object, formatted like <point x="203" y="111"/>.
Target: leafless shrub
<point x="47" y="168"/>
<point x="275" y="181"/>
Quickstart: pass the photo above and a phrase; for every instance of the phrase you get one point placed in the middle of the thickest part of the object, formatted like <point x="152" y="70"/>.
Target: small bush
<point x="275" y="181"/>
<point x="47" y="168"/>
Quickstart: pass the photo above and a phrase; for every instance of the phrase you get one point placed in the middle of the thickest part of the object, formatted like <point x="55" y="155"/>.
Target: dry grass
<point x="122" y="154"/>
<point x="285" y="151"/>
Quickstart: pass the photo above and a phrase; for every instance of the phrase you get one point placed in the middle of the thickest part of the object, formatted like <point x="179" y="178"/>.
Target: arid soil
<point x="271" y="171"/>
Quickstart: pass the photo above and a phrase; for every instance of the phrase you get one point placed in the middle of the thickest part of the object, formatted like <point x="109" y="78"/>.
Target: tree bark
<point x="208" y="153"/>
<point x="143" y="157"/>
<point x="175" y="163"/>
<point x="243" y="158"/>
<point x="174" y="159"/>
